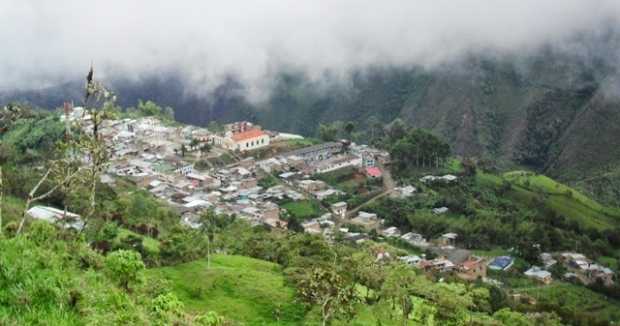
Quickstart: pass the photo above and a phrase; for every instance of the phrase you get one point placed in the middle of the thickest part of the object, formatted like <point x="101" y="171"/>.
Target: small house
<point x="539" y="274"/>
<point x="448" y="239"/>
<point x="501" y="263"/>
<point x="339" y="209"/>
<point x="472" y="269"/>
<point x="391" y="232"/>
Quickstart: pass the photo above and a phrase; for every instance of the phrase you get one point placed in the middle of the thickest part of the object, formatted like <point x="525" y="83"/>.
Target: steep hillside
<point x="554" y="113"/>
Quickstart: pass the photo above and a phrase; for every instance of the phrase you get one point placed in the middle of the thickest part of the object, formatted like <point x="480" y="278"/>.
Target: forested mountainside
<point x="550" y="112"/>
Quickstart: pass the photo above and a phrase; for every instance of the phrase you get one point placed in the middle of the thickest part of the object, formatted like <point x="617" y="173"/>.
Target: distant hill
<point x="553" y="112"/>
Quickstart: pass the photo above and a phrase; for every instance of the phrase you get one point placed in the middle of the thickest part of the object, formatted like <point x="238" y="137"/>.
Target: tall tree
<point x="397" y="289"/>
<point x="326" y="288"/>
<point x="209" y="226"/>
<point x="348" y="128"/>
<point x="97" y="102"/>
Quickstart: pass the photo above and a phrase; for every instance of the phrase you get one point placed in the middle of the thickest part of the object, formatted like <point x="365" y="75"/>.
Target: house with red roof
<point x="249" y="140"/>
<point x="373" y="172"/>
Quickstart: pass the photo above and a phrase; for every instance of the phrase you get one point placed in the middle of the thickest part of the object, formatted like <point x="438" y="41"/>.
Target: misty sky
<point x="45" y="42"/>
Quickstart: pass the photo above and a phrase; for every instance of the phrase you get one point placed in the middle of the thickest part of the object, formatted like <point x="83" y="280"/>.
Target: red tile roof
<point x="471" y="264"/>
<point x="249" y="134"/>
<point x="373" y="171"/>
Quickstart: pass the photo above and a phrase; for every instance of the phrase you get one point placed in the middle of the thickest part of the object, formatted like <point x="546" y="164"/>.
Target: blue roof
<point x="501" y="262"/>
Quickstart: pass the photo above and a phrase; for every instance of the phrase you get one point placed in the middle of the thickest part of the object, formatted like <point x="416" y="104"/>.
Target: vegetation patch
<point x="303" y="209"/>
<point x="242" y="289"/>
<point x="574" y="302"/>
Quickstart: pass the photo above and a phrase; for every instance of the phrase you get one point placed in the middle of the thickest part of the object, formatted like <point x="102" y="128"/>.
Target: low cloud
<point x="47" y="42"/>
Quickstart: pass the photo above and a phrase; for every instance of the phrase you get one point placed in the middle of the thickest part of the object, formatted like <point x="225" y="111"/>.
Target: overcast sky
<point x="44" y="42"/>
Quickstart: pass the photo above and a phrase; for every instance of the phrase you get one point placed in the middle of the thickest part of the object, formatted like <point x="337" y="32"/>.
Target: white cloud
<point x="45" y="42"/>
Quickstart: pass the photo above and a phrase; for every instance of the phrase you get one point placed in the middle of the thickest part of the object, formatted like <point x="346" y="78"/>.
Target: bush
<point x="125" y="267"/>
<point x="42" y="232"/>
<point x="167" y="307"/>
<point x="211" y="318"/>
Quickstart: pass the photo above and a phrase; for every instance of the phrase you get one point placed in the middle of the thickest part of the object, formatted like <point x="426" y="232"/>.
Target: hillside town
<point x="171" y="162"/>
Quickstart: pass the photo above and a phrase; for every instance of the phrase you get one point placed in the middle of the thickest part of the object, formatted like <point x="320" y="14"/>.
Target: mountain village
<point x="168" y="160"/>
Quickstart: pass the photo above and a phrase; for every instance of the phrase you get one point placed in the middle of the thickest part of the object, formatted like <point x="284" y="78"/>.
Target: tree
<point x="125" y="266"/>
<point x="396" y="129"/>
<point x="65" y="177"/>
<point x="348" y="128"/>
<point x="368" y="272"/>
<point x="151" y="109"/>
<point x="208" y="225"/>
<point x="335" y="296"/>
<point x="97" y="102"/>
<point x="204" y="149"/>
<point x="397" y="289"/>
<point x="417" y="148"/>
<point x="328" y="132"/>
<point x="375" y="128"/>
<point x="194" y="143"/>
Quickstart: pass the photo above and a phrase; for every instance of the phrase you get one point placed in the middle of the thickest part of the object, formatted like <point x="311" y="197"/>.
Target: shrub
<point x="125" y="267"/>
<point x="42" y="232"/>
<point x="167" y="307"/>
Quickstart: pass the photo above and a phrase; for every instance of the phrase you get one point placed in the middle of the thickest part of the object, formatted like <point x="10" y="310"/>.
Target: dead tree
<point x="33" y="195"/>
<point x="93" y="146"/>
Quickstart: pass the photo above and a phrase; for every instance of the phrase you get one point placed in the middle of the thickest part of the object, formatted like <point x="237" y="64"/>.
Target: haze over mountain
<point x="522" y="82"/>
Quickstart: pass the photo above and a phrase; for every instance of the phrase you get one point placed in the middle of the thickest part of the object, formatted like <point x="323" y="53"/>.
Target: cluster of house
<point x="578" y="267"/>
<point x="447" y="257"/>
<point x="159" y="158"/>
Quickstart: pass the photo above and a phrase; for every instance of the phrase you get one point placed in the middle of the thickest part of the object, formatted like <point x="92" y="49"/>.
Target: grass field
<point x="299" y="143"/>
<point x="246" y="290"/>
<point x="348" y="180"/>
<point x="303" y="209"/>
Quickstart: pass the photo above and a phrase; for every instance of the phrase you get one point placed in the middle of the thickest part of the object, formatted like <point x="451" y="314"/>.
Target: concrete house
<point x="539" y="274"/>
<point x="249" y="140"/>
<point x="339" y="209"/>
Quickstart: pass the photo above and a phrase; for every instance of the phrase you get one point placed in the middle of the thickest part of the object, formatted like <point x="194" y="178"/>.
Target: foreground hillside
<point x="242" y="289"/>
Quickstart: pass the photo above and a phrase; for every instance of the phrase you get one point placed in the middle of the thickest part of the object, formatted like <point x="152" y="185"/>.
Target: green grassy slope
<point x="243" y="289"/>
<point x="564" y="200"/>
<point x="568" y="299"/>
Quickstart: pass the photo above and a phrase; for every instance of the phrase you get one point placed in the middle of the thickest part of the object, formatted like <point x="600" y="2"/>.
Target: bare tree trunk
<point x="31" y="199"/>
<point x="93" y="199"/>
<point x="31" y="195"/>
